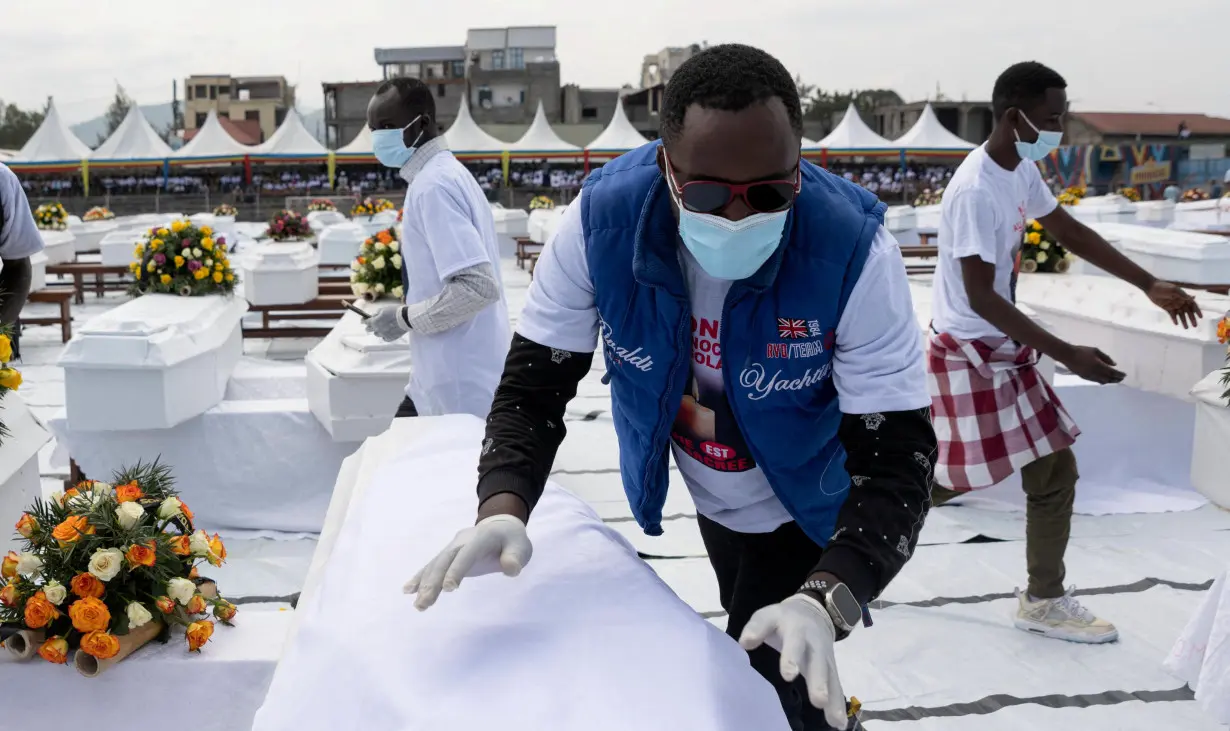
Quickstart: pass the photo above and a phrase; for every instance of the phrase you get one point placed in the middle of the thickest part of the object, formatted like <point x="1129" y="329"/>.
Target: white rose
<point x="196" y="252"/>
<point x="55" y="593"/>
<point x="102" y="488"/>
<point x="209" y="262"/>
<point x="181" y="590"/>
<point x="397" y="292"/>
<point x="1044" y="245"/>
<point x="382" y="248"/>
<point x="359" y="288"/>
<point x="199" y="544"/>
<point x="354" y="276"/>
<point x="138" y="616"/>
<point x="106" y="563"/>
<point x="396" y="261"/>
<point x="394" y="246"/>
<point x="378" y="263"/>
<point x="354" y="265"/>
<point x="169" y="508"/>
<point x="28" y="564"/>
<point x="379" y="288"/>
<point x="129" y="514"/>
<point x="57" y="497"/>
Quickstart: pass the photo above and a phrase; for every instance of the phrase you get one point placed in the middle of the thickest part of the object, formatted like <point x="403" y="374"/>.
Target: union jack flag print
<point x="791" y="329"/>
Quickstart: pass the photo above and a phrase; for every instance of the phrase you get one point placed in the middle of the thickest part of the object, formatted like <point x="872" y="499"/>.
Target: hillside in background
<point x="159" y="115"/>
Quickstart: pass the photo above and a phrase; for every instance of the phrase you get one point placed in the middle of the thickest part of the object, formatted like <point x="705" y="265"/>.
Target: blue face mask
<point x="389" y="145"/>
<point x="727" y="249"/>
<point x="1046" y="143"/>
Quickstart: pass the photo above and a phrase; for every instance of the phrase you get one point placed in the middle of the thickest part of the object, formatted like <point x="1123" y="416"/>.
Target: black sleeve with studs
<point x="891" y="461"/>
<point x="526" y="423"/>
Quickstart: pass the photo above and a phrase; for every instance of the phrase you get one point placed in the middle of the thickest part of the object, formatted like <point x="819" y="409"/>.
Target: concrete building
<point x="657" y="68"/>
<point x="1199" y="131"/>
<point x="345" y="110"/>
<point x="262" y="99"/>
<point x="971" y="121"/>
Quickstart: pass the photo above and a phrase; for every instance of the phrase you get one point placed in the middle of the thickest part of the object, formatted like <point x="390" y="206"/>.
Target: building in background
<point x="1207" y="136"/>
<point x="658" y="68"/>
<point x="510" y="71"/>
<point x="260" y="99"/>
<point x="971" y="121"/>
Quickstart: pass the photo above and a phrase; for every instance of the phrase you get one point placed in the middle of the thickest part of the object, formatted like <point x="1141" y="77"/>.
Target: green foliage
<point x="827" y="106"/>
<point x="116" y="112"/>
<point x="17" y="125"/>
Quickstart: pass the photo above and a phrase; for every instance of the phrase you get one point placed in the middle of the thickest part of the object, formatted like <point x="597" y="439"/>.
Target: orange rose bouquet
<point x="105" y="569"/>
<point x="376" y="272"/>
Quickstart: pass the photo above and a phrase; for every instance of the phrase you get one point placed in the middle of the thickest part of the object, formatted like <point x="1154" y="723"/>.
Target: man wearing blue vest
<point x="756" y="324"/>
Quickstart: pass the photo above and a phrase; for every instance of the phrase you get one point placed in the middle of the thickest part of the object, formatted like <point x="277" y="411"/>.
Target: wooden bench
<point x="61" y="296"/>
<point x="923" y="251"/>
<point x="80" y="270"/>
<point x="533" y="263"/>
<point x="525" y="252"/>
<point x="318" y="309"/>
<point x="927" y="238"/>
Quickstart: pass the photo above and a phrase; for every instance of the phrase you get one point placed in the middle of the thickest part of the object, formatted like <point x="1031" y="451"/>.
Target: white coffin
<point x="151" y="363"/>
<point x="87" y="234"/>
<point x="1158" y="214"/>
<point x="205" y="219"/>
<point x="116" y="248"/>
<point x="340" y="242"/>
<point x="511" y="222"/>
<point x="902" y="223"/>
<point x="1197" y="214"/>
<point x="377" y="223"/>
<point x="355" y="381"/>
<point x="38" y="271"/>
<point x="320" y="220"/>
<point x="19" y="478"/>
<point x="536" y="225"/>
<point x="1179" y="256"/>
<point x="928" y="217"/>
<point x="1209" y="473"/>
<point x="1104" y="209"/>
<point x="1119" y="319"/>
<point x="281" y="273"/>
<point x="58" y="246"/>
<point x="224" y="225"/>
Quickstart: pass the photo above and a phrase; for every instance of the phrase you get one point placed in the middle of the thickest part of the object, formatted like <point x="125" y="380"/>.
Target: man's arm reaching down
<point x="464" y="295"/>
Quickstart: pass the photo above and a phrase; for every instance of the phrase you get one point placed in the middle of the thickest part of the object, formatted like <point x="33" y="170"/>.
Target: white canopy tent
<point x="541" y="138"/>
<point x="931" y="135"/>
<point x="852" y="133"/>
<point x="53" y="141"/>
<point x="464" y="134"/>
<point x="292" y="139"/>
<point x="360" y="145"/>
<point x="619" y="136"/>
<point x="212" y="140"/>
<point x="134" y="139"/>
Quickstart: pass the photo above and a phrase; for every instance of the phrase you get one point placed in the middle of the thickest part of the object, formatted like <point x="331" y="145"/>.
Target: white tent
<point x="929" y="134"/>
<point x="292" y="138"/>
<point x="464" y="134"/>
<point x="806" y="143"/>
<point x="619" y="135"/>
<point x="852" y="133"/>
<point x="360" y="145"/>
<point x="541" y="138"/>
<point x="212" y="140"/>
<point x="53" y="141"/>
<point x="134" y="139"/>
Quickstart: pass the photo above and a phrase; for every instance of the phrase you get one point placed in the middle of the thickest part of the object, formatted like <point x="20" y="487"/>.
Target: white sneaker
<point x="1062" y="619"/>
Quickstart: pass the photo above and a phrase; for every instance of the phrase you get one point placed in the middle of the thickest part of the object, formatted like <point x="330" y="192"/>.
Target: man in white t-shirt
<point x="993" y="412"/>
<point x="455" y="311"/>
<point x="19" y="240"/>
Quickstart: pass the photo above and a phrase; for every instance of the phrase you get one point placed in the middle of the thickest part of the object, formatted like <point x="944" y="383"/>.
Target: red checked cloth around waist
<point x="993" y="411"/>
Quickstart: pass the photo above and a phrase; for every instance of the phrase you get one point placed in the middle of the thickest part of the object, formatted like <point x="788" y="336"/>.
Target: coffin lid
<point x="1206" y="205"/>
<point x="92" y="226"/>
<point x="1209" y="390"/>
<point x="27" y="435"/>
<point x="350" y="352"/>
<point x="1171" y="243"/>
<point x="326" y="215"/>
<point x="509" y="214"/>
<point x="123" y="236"/>
<point x="154" y="331"/>
<point x="53" y="238"/>
<point x="1116" y="202"/>
<point x="345" y="232"/>
<point x="273" y="255"/>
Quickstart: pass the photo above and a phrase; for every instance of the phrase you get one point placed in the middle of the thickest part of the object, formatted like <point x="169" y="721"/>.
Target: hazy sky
<point x="1130" y="55"/>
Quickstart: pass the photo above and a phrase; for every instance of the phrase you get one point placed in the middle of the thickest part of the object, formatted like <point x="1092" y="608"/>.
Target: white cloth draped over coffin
<point x="1201" y="657"/>
<point x="587" y="637"/>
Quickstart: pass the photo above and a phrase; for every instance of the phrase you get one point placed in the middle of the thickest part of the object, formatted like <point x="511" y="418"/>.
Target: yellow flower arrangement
<point x="98" y="213"/>
<point x="1130" y="193"/>
<point x="10" y="377"/>
<point x="182" y="259"/>
<point x="929" y="197"/>
<point x="376" y="272"/>
<point x="1071" y="195"/>
<point x="51" y="217"/>
<point x="321" y="204"/>
<point x="225" y="210"/>
<point x="541" y="201"/>
<point x="371" y="206"/>
<point x="1191" y="195"/>
<point x="1041" y="252"/>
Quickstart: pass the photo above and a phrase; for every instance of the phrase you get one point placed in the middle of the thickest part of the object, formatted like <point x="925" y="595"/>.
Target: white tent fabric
<point x="292" y="138"/>
<point x="929" y="134"/>
<point x="213" y="141"/>
<point x="619" y="135"/>
<point x="134" y="139"/>
<point x="852" y="133"/>
<point x="541" y="138"/>
<point x="464" y="134"/>
<point x="53" y="141"/>
<point x="360" y="145"/>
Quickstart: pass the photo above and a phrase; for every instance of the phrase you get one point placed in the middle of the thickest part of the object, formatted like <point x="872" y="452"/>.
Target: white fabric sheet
<point x="586" y="638"/>
<point x="1201" y="657"/>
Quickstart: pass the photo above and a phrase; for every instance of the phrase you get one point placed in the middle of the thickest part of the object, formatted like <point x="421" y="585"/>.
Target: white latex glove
<point x="388" y="324"/>
<point x="802" y="631"/>
<point x="496" y="544"/>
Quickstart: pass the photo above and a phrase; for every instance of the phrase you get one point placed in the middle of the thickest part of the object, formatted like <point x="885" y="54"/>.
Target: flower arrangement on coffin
<point x="929" y="197"/>
<point x="182" y="259"/>
<point x="288" y="226"/>
<point x="1192" y="195"/>
<point x="226" y="210"/>
<point x="321" y="204"/>
<point x="1223" y="337"/>
<point x="1040" y="252"/>
<point x="51" y="217"/>
<point x="1130" y="193"/>
<point x="1072" y="195"/>
<point x="376" y="272"/>
<point x="371" y="206"/>
<point x="98" y="213"/>
<point x="541" y="201"/>
<point x="107" y="568"/>
<point x="10" y="377"/>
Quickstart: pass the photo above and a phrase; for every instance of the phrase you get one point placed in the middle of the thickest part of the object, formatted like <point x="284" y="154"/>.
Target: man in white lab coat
<point x="455" y="310"/>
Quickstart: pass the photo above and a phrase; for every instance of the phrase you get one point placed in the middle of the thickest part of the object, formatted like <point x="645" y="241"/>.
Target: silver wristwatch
<point x="840" y="603"/>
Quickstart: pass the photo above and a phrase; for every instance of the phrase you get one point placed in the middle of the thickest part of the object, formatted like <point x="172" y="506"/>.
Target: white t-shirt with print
<point x="983" y="214"/>
<point x="877" y="364"/>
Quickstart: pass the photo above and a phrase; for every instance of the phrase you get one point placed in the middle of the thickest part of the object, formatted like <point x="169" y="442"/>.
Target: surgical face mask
<point x="1046" y="143"/>
<point x="728" y="249"/>
<point x="389" y="145"/>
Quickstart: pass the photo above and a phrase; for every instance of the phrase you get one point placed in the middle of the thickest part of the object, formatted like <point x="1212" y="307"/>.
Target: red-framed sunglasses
<point x="711" y="196"/>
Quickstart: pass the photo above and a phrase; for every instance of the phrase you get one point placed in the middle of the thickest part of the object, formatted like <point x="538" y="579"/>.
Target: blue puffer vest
<point x="777" y="334"/>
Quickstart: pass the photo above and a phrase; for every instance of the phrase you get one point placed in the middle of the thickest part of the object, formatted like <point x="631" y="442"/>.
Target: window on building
<point x="485" y="97"/>
<point x="200" y="91"/>
<point x="440" y="90"/>
<point x="433" y="70"/>
<point x="589" y="113"/>
<point x="200" y="119"/>
<point x="331" y="103"/>
<point x="413" y="70"/>
<point x="459" y="69"/>
<point x="213" y="92"/>
<point x="522" y="102"/>
<point x="497" y="59"/>
<point x="253" y="115"/>
<point x="331" y="137"/>
<point x="279" y="115"/>
<point x="516" y="58"/>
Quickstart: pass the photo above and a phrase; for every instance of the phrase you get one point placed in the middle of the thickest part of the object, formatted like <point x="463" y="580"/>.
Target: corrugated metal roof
<point x="420" y="54"/>
<point x="1154" y="124"/>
